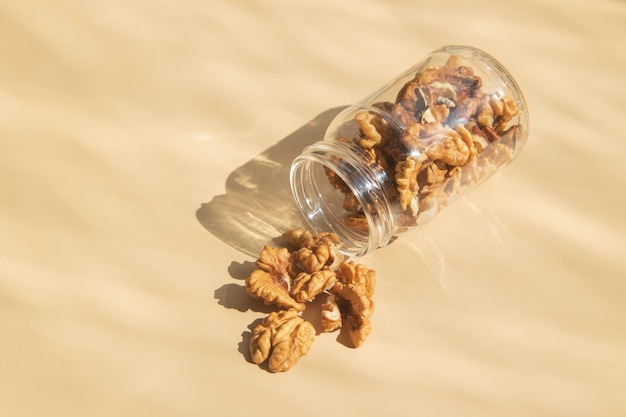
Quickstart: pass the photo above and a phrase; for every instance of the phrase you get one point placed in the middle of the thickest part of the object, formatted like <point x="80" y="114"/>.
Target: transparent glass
<point x="395" y="159"/>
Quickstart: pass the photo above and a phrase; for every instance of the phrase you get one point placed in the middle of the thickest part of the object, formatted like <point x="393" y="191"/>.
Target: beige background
<point x="144" y="156"/>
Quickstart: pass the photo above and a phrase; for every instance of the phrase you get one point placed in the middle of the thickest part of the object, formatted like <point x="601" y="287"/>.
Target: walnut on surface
<point x="330" y="315"/>
<point x="352" y="296"/>
<point x="272" y="281"/>
<point x="307" y="286"/>
<point x="300" y="238"/>
<point x="283" y="337"/>
<point x="313" y="260"/>
<point x="296" y="237"/>
<point x="315" y="251"/>
<point x="291" y="278"/>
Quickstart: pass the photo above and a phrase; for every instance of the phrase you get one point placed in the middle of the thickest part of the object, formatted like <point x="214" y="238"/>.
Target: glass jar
<point x="395" y="159"/>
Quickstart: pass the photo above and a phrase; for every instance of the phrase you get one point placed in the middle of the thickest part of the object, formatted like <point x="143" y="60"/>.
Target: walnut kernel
<point x="353" y="293"/>
<point x="272" y="281"/>
<point x="306" y="286"/>
<point x="283" y="337"/>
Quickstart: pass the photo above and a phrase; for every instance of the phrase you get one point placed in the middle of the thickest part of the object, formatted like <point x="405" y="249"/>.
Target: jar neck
<point x="323" y="205"/>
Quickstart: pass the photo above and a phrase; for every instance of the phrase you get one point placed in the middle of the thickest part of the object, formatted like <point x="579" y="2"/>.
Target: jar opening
<point x="323" y="205"/>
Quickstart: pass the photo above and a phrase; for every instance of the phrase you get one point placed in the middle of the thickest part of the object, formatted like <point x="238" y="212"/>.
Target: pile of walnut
<point x="289" y="279"/>
<point x="442" y="134"/>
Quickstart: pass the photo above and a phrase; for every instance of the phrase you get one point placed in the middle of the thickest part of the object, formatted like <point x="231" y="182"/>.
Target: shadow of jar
<point x="258" y="205"/>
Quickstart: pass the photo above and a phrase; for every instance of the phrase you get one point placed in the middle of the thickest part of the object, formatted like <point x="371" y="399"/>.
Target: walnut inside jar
<point x="443" y="134"/>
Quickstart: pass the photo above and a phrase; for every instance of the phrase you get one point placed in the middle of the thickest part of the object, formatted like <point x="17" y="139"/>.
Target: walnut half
<point x="351" y="296"/>
<point x="272" y="281"/>
<point x="315" y="252"/>
<point x="283" y="337"/>
<point x="330" y="315"/>
<point x="308" y="286"/>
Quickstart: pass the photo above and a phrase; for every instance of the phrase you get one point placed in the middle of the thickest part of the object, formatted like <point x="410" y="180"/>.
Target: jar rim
<point x="347" y="162"/>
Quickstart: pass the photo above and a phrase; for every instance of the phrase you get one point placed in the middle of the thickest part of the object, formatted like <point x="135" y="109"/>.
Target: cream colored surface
<point x="145" y="148"/>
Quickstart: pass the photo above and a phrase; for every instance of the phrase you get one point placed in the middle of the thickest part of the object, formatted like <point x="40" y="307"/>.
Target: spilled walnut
<point x="272" y="281"/>
<point x="353" y="294"/>
<point x="290" y="279"/>
<point x="283" y="337"/>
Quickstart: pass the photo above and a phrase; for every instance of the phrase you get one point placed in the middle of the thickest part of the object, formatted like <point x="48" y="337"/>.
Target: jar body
<point x="395" y="159"/>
